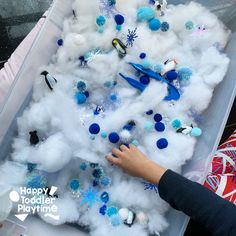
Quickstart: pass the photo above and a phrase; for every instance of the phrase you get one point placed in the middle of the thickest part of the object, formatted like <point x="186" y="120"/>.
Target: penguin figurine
<point x="168" y="66"/>
<point x="185" y="129"/>
<point x="119" y="46"/>
<point x="161" y="7"/>
<point x="49" y="79"/>
<point x="131" y="218"/>
<point x="34" y="139"/>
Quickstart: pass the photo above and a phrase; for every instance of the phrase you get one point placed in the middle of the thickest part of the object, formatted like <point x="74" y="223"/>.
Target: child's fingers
<point x="124" y="148"/>
<point x="113" y="160"/>
<point x="116" y="152"/>
<point x="132" y="147"/>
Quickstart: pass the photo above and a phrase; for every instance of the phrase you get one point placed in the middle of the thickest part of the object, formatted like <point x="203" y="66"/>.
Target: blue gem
<point x="102" y="210"/>
<point x="97" y="173"/>
<point x="74" y="184"/>
<point x="105" y="197"/>
<point x="105" y="181"/>
<point x="150" y="112"/>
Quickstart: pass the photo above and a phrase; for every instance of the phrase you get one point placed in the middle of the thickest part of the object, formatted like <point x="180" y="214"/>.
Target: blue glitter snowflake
<point x="107" y="9"/>
<point x="131" y="36"/>
<point x="90" y="196"/>
<point x="150" y="186"/>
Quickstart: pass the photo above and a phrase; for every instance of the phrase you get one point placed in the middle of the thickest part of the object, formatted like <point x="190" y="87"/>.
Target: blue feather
<point x="134" y="83"/>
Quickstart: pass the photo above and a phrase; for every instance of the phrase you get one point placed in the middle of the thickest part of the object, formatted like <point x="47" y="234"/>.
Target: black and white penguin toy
<point x="49" y="79"/>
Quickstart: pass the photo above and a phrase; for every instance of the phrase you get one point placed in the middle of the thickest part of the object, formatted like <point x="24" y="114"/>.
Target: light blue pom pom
<point x="176" y="123"/>
<point x="184" y="74"/>
<point x="115" y="220"/>
<point x="118" y="27"/>
<point x="189" y="25"/>
<point x="146" y="64"/>
<point x="101" y="29"/>
<point x="154" y="24"/>
<point x="135" y="142"/>
<point x="196" y="132"/>
<point x="158" y="68"/>
<point x="111" y="211"/>
<point x="148" y="126"/>
<point x="145" y="14"/>
<point x="101" y="20"/>
<point x="103" y="134"/>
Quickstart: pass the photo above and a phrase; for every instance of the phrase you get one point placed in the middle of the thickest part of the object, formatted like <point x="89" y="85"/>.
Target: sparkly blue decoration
<point x="114" y="137"/>
<point x="154" y="24"/>
<point x="36" y="180"/>
<point x="165" y="26"/>
<point x="150" y="186"/>
<point x="189" y="25"/>
<point x="105" y="181"/>
<point x="135" y="142"/>
<point x="113" y="97"/>
<point x="142" y="55"/>
<point x="115" y="220"/>
<point x="94" y="128"/>
<point x="145" y="14"/>
<point x="81" y="86"/>
<point x="131" y="36"/>
<point x="107" y="9"/>
<point x="74" y="184"/>
<point x="185" y="74"/>
<point x="90" y="196"/>
<point x="162" y="143"/>
<point x="196" y="132"/>
<point x="103" y="134"/>
<point x="171" y="75"/>
<point x="111" y="211"/>
<point x="97" y="173"/>
<point x="148" y="126"/>
<point x="159" y="126"/>
<point x="60" y="42"/>
<point x="100" y="20"/>
<point x="31" y="166"/>
<point x="145" y="79"/>
<point x="104" y="197"/>
<point x="157" y="117"/>
<point x="150" y="112"/>
<point x="176" y="123"/>
<point x="80" y="98"/>
<point x="83" y="166"/>
<point x="158" y="68"/>
<point x="103" y="210"/>
<point x="146" y="64"/>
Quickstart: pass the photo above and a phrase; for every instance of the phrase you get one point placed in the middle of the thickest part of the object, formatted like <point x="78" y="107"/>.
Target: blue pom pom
<point x="119" y="19"/>
<point x="36" y="180"/>
<point x="101" y="29"/>
<point x="104" y="197"/>
<point x="176" y="123"/>
<point x="159" y="126"/>
<point x="103" y="210"/>
<point x="185" y="74"/>
<point x="118" y="27"/>
<point x="111" y="211"/>
<point x="83" y="166"/>
<point x="81" y="86"/>
<point x="157" y="117"/>
<point x="165" y="26"/>
<point x="154" y="24"/>
<point x="113" y="97"/>
<point x="115" y="220"/>
<point x="171" y="75"/>
<point x="105" y="181"/>
<point x="150" y="112"/>
<point x="189" y="25"/>
<point x="146" y="64"/>
<point x="60" y="42"/>
<point x="148" y="126"/>
<point x="158" y="68"/>
<point x="162" y="143"/>
<point x="142" y="55"/>
<point x="101" y="20"/>
<point x="74" y="184"/>
<point x="144" y="79"/>
<point x="114" y="137"/>
<point x="145" y="14"/>
<point x="94" y="128"/>
<point x="103" y="134"/>
<point x="97" y="173"/>
<point x="196" y="132"/>
<point x="80" y="98"/>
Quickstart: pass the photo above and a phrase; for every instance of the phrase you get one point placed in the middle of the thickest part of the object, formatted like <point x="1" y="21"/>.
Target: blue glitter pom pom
<point x="81" y="86"/>
<point x="176" y="123"/>
<point x="83" y="166"/>
<point x="158" y="117"/>
<point x="114" y="137"/>
<point x="80" y="98"/>
<point x="145" y="13"/>
<point x="159" y="126"/>
<point x="94" y="128"/>
<point x="74" y="184"/>
<point x="103" y="210"/>
<point x="145" y="79"/>
<point x="142" y="55"/>
<point x="105" y="197"/>
<point x="154" y="24"/>
<point x="115" y="220"/>
<point x="111" y="211"/>
<point x="105" y="181"/>
<point x="146" y="64"/>
<point x="165" y="26"/>
<point x="185" y="74"/>
<point x="97" y="173"/>
<point x="36" y="180"/>
<point x="100" y="20"/>
<point x="162" y="143"/>
<point x="189" y="25"/>
<point x="60" y="42"/>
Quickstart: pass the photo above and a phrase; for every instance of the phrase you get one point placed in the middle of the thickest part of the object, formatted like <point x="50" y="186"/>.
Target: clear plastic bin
<point x="215" y="117"/>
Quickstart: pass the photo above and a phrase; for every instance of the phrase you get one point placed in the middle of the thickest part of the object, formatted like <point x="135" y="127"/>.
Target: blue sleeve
<point x="217" y="215"/>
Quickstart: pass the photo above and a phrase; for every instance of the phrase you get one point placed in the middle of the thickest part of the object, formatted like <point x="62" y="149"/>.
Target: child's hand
<point x="136" y="163"/>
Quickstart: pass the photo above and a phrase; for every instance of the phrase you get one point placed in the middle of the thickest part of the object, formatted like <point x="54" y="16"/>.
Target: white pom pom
<point x="125" y="135"/>
<point x="123" y="213"/>
<point x="142" y="218"/>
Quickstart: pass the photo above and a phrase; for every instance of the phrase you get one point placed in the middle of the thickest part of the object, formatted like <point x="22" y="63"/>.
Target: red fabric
<point x="222" y="176"/>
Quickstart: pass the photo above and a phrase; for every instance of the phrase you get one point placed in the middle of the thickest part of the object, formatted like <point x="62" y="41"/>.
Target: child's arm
<point x="214" y="213"/>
